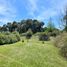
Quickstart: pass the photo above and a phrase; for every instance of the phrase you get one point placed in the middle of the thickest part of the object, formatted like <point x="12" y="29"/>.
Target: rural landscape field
<point x="31" y="54"/>
<point x="33" y="33"/>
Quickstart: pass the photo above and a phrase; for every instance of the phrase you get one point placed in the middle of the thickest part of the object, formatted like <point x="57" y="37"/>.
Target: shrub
<point x="8" y="38"/>
<point x="54" y="33"/>
<point x="6" y="33"/>
<point x="22" y="40"/>
<point x="61" y="42"/>
<point x="43" y="37"/>
<point x="17" y="35"/>
<point x="29" y="34"/>
<point x="64" y="50"/>
<point x="12" y="38"/>
<point x="2" y="39"/>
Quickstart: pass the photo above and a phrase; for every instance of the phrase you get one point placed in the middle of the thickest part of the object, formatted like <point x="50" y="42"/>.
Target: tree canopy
<point x="23" y="26"/>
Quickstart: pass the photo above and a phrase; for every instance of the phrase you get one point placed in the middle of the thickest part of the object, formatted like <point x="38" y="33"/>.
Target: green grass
<point x="31" y="54"/>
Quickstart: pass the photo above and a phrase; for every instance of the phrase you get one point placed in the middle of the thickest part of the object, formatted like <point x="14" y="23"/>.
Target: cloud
<point x="46" y="15"/>
<point x="37" y="9"/>
<point x="32" y="7"/>
<point x="7" y="11"/>
<point x="44" y="8"/>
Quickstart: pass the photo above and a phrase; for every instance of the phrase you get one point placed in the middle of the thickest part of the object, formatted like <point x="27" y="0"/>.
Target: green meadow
<point x="31" y="53"/>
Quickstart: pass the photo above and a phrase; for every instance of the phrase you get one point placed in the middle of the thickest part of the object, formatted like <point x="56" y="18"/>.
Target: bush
<point x="12" y="38"/>
<point x="17" y="35"/>
<point x="2" y="39"/>
<point x="54" y="33"/>
<point x="22" y="40"/>
<point x="43" y="37"/>
<point x="8" y="38"/>
<point x="6" y="33"/>
<point x="29" y="34"/>
<point x="61" y="42"/>
<point x="64" y="50"/>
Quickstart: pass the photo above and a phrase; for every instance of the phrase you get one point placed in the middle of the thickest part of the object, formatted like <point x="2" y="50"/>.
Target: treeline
<point x="23" y="26"/>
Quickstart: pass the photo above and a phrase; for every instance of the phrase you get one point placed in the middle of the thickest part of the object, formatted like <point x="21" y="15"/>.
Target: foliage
<point x="29" y="34"/>
<point x="51" y="30"/>
<point x="64" y="50"/>
<point x="17" y="35"/>
<point x="8" y="38"/>
<point x="54" y="33"/>
<point x="60" y="39"/>
<point x="61" y="42"/>
<point x="65" y="20"/>
<point x="50" y="26"/>
<point x="43" y="37"/>
<point x="23" y="26"/>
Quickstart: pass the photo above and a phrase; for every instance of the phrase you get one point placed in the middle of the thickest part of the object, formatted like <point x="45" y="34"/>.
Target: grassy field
<point x="31" y="53"/>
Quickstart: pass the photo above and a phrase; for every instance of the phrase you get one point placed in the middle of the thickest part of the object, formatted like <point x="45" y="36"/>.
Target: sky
<point x="16" y="10"/>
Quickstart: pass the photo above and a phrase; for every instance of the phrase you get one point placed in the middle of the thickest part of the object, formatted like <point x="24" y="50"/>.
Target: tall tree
<point x="9" y="26"/>
<point x="24" y="25"/>
<point x="50" y="26"/>
<point x="14" y="26"/>
<point x="65" y="20"/>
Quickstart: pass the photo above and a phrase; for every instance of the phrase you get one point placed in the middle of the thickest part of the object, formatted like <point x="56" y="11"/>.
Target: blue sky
<point x="11" y="10"/>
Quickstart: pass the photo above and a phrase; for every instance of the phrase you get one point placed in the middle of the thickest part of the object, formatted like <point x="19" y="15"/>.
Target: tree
<point x="24" y="25"/>
<point x="29" y="34"/>
<point x="4" y="28"/>
<point x="37" y="26"/>
<point x="65" y="20"/>
<point x="50" y="26"/>
<point x="9" y="26"/>
<point x="14" y="26"/>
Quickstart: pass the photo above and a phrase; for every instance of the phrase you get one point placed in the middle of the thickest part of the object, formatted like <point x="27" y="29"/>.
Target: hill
<point x="32" y="53"/>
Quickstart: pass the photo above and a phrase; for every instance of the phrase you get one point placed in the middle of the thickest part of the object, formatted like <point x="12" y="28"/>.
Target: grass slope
<point x="31" y="54"/>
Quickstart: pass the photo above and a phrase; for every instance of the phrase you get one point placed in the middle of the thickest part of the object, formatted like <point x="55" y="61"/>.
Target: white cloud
<point x="32" y="7"/>
<point x="7" y="11"/>
<point x="46" y="15"/>
<point x="50" y="8"/>
<point x="39" y="9"/>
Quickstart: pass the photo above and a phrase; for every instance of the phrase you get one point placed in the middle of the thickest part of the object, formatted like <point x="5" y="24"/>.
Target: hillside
<point x="31" y="53"/>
